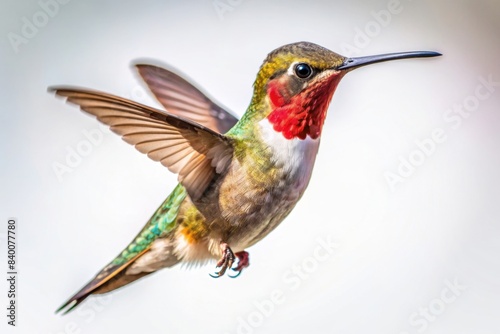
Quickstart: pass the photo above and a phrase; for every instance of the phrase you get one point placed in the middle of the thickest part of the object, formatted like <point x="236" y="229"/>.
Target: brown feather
<point x="192" y="150"/>
<point x="105" y="276"/>
<point x="181" y="98"/>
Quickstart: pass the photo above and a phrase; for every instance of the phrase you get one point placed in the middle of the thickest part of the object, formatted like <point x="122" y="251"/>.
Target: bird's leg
<point x="226" y="260"/>
<point x="243" y="262"/>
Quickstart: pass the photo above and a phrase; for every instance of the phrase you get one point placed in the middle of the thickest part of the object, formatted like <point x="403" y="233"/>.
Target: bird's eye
<point x="303" y="70"/>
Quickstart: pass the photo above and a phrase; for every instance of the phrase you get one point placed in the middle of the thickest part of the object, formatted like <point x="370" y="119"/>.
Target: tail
<point x="110" y="278"/>
<point x="150" y="251"/>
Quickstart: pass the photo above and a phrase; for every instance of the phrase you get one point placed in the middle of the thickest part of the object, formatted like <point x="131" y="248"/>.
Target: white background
<point x="398" y="249"/>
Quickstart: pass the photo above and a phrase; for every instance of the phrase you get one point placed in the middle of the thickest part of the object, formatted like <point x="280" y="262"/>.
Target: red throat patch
<point x="303" y="114"/>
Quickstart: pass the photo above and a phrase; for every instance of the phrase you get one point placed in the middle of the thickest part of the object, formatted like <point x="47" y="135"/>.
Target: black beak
<point x="352" y="63"/>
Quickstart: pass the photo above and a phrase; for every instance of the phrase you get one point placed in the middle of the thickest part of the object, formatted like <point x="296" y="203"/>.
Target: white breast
<point x="296" y="155"/>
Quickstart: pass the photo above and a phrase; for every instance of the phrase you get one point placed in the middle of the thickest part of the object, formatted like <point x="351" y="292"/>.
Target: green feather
<point x="162" y="222"/>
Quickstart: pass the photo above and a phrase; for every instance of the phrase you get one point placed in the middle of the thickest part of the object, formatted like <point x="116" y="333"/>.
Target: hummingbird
<point x="238" y="179"/>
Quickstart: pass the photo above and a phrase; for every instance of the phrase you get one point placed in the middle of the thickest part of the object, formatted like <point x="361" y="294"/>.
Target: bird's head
<point x="296" y="82"/>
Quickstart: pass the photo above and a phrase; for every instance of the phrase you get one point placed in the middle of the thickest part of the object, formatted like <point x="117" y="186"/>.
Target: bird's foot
<point x="243" y="262"/>
<point x="226" y="260"/>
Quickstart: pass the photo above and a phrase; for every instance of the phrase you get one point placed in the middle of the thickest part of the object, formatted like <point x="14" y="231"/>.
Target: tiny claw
<point x="215" y="276"/>
<point x="225" y="262"/>
<point x="238" y="273"/>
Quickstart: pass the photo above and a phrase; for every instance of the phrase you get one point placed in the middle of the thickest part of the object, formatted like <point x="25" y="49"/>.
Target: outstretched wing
<point x="181" y="98"/>
<point x="191" y="150"/>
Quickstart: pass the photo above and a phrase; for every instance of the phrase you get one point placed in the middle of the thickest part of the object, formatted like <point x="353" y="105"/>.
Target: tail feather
<point x="110" y="278"/>
<point x="115" y="275"/>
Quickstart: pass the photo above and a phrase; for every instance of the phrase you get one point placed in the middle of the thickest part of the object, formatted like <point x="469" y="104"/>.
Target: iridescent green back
<point x="162" y="222"/>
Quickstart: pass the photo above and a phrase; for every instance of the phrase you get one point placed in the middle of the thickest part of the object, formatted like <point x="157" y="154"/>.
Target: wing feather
<point x="192" y="150"/>
<point x="182" y="98"/>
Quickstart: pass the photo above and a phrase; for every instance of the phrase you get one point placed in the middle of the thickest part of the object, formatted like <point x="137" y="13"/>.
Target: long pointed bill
<point x="352" y="63"/>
